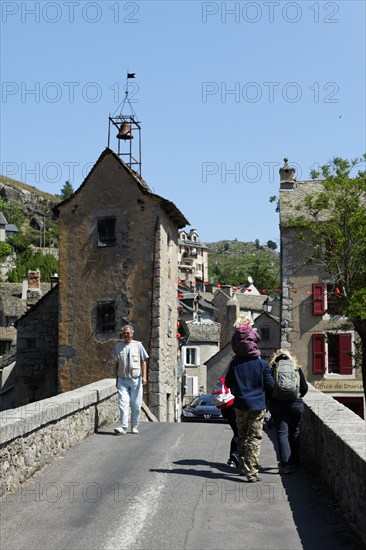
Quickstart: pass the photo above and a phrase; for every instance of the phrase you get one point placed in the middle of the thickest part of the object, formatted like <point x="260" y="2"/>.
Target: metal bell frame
<point x="119" y="121"/>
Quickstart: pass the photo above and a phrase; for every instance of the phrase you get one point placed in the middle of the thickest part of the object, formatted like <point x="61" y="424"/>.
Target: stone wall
<point x="37" y="358"/>
<point x="335" y="438"/>
<point x="137" y="277"/>
<point x="35" y="434"/>
<point x="162" y="395"/>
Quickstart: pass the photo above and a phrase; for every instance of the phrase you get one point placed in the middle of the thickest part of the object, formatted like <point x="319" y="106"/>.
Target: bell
<point x="125" y="132"/>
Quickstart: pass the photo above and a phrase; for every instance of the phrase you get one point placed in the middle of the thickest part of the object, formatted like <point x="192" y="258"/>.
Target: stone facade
<point x="314" y="335"/>
<point x="37" y="357"/>
<point x="118" y="265"/>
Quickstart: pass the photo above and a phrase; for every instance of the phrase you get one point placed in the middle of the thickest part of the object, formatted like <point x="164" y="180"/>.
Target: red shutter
<point x="318" y="299"/>
<point x="318" y="353"/>
<point x="345" y="353"/>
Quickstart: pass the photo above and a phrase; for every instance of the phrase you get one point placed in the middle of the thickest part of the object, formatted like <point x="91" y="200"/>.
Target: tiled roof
<point x="292" y="200"/>
<point x="173" y="212"/>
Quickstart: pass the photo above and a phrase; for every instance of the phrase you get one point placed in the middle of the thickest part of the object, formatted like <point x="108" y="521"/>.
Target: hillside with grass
<point x="232" y="262"/>
<point x="30" y="210"/>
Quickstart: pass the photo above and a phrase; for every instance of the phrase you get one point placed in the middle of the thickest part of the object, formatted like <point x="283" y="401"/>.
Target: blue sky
<point x="224" y="90"/>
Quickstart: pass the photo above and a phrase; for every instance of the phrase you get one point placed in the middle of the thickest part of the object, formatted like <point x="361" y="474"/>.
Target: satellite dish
<point x="250" y="280"/>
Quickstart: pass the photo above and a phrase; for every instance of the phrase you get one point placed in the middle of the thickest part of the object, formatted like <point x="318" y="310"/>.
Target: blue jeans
<point x="286" y="417"/>
<point x="129" y="394"/>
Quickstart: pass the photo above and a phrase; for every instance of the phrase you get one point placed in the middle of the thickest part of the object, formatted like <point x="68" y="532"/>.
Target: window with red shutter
<point x="345" y="353"/>
<point x="339" y="353"/>
<point x="318" y="353"/>
<point x="318" y="299"/>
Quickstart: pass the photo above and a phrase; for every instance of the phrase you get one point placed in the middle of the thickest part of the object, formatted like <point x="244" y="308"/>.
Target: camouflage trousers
<point x="250" y="431"/>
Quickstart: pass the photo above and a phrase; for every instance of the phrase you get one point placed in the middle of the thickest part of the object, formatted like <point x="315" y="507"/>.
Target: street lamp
<point x="267" y="306"/>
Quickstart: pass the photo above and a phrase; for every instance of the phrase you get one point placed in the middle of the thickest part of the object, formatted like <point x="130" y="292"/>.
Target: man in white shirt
<point x="131" y="359"/>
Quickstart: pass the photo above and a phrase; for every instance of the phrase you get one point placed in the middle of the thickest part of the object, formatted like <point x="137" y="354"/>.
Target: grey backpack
<point x="286" y="376"/>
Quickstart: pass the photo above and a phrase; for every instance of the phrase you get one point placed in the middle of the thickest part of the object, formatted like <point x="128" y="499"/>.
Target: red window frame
<point x="344" y="353"/>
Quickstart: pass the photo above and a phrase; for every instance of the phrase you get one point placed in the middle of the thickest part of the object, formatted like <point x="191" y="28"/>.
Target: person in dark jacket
<point x="249" y="380"/>
<point x="228" y="412"/>
<point x="287" y="415"/>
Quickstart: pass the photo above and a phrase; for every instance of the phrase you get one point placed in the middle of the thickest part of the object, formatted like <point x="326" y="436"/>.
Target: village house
<point x="118" y="264"/>
<point x="15" y="300"/>
<point x="192" y="259"/>
<point x="310" y="319"/>
<point x="203" y="341"/>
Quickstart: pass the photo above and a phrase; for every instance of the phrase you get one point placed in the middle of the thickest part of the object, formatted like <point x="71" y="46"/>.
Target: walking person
<point x="249" y="379"/>
<point x="286" y="406"/>
<point x="228" y="412"/>
<point x="130" y="356"/>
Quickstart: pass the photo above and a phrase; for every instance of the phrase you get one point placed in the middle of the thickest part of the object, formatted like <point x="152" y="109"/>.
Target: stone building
<point x="37" y="354"/>
<point x="311" y="324"/>
<point x="15" y="300"/>
<point x="192" y="259"/>
<point x="204" y="342"/>
<point x="118" y="264"/>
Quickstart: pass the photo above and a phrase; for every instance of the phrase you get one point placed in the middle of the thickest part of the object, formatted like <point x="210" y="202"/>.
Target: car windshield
<point x="202" y="400"/>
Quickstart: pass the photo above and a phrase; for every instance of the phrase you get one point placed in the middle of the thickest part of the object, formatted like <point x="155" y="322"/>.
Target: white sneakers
<point x="123" y="431"/>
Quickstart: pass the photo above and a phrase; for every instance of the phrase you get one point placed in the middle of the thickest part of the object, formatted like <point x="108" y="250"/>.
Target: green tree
<point x="12" y="212"/>
<point x="5" y="250"/>
<point x="272" y="245"/>
<point x="336" y="219"/>
<point x="46" y="263"/>
<point x="66" y="191"/>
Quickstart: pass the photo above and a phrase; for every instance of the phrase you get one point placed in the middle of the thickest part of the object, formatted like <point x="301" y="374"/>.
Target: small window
<point x="191" y="356"/>
<point x="265" y="334"/>
<point x="107" y="232"/>
<point x="334" y="299"/>
<point x="106" y="318"/>
<point x="4" y="346"/>
<point x="340" y="353"/>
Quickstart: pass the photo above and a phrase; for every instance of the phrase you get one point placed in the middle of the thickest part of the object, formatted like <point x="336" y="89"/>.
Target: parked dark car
<point x="201" y="409"/>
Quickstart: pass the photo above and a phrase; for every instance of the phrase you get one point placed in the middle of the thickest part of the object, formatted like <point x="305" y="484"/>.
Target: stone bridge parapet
<point x="335" y="438"/>
<point x="35" y="434"/>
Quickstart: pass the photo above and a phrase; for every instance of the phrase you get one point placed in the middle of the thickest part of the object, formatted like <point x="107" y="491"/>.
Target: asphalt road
<point x="169" y="488"/>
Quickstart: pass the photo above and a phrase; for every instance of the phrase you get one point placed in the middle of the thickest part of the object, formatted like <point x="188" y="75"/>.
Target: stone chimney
<point x="34" y="292"/>
<point x="232" y="311"/>
<point x="228" y="289"/>
<point x="287" y="176"/>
